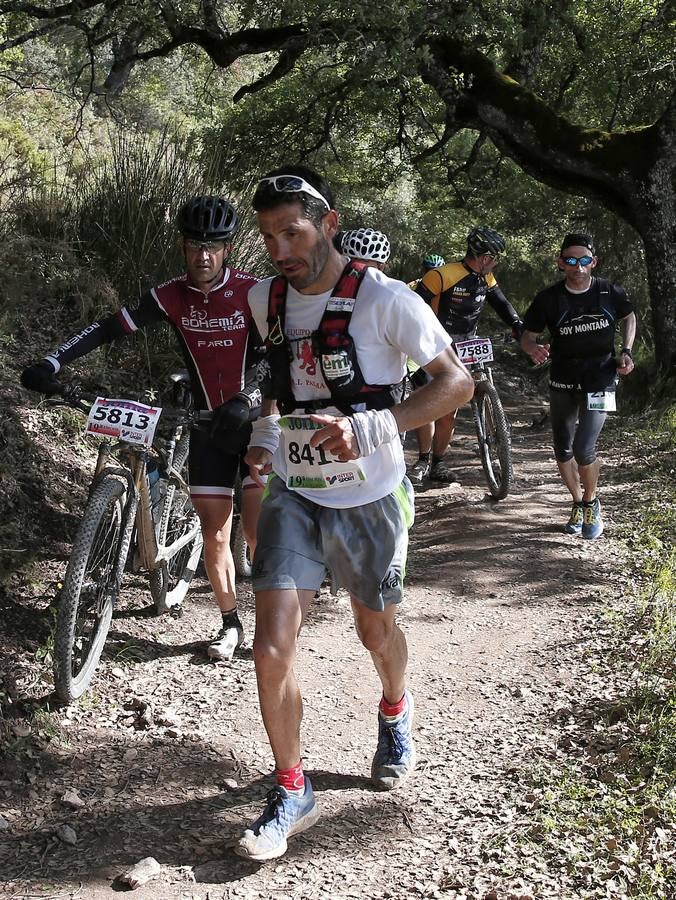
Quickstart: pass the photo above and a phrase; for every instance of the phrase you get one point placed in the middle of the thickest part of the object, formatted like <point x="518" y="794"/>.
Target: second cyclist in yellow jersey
<point x="457" y="292"/>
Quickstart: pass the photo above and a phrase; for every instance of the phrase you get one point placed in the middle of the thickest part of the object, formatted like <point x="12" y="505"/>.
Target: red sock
<point x="292" y="779"/>
<point x="390" y="710"/>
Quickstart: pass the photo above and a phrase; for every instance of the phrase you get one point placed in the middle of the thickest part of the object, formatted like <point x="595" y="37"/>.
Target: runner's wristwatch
<point x="626" y="350"/>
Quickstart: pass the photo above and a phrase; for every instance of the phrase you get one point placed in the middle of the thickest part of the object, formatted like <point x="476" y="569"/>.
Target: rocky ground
<point x="166" y="755"/>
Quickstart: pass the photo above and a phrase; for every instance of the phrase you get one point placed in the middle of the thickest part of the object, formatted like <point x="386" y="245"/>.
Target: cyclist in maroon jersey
<point x="208" y="310"/>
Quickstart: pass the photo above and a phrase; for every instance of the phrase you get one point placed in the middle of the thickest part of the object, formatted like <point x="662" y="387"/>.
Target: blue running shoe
<point x="394" y="759"/>
<point x="592" y="526"/>
<point x="284" y="816"/>
<point x="574" y="524"/>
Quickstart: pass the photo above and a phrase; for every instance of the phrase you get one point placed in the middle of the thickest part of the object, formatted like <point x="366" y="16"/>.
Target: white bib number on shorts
<point x="603" y="401"/>
<point x="475" y="350"/>
<point x="313" y="467"/>
<point x="126" y="420"/>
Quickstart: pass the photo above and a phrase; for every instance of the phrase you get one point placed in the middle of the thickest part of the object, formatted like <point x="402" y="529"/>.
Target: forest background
<point x="537" y="118"/>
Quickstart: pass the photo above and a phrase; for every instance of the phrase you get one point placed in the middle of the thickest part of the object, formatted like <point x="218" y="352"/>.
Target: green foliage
<point x="603" y="811"/>
<point x="354" y="106"/>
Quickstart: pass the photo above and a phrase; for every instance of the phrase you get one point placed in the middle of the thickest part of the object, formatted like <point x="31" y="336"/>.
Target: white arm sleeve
<point x="373" y="428"/>
<point x="265" y="433"/>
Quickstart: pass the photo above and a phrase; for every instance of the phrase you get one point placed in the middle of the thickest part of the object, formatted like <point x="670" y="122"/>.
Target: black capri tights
<point x="575" y="428"/>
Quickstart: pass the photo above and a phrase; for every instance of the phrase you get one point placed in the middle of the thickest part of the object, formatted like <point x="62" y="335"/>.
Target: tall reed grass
<point x="95" y="234"/>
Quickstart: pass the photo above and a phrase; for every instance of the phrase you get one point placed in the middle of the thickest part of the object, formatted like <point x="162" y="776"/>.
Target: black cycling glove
<point x="230" y="416"/>
<point x="238" y="411"/>
<point x="41" y="377"/>
<point x="517" y="330"/>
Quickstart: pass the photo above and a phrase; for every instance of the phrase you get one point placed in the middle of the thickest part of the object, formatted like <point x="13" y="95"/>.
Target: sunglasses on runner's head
<point x="209" y="246"/>
<point x="292" y="184"/>
<point x="574" y="260"/>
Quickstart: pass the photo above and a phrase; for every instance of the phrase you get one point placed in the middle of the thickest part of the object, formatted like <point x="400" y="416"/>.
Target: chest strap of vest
<point x="333" y="331"/>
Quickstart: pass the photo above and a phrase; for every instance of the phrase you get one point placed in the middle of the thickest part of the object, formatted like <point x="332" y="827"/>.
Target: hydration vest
<point x="332" y="347"/>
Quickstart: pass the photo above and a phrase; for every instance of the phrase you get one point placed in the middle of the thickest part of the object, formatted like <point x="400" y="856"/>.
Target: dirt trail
<point x="499" y="603"/>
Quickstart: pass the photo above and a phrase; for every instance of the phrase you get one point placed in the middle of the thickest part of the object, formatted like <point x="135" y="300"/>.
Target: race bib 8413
<point x="313" y="467"/>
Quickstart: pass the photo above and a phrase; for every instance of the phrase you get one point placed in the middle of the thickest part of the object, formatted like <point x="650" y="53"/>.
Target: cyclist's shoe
<point x="574" y="524"/>
<point x="285" y="815"/>
<point x="418" y="471"/>
<point x="592" y="526"/>
<point x="228" y="639"/>
<point x="394" y="758"/>
<point x="440" y="472"/>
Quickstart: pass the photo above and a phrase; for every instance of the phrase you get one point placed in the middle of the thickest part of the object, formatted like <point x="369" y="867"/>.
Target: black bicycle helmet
<point x="365" y="243"/>
<point x="207" y="219"/>
<point x="482" y="240"/>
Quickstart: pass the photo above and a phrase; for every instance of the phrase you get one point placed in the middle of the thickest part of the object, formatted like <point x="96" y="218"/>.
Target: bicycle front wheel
<point x="495" y="443"/>
<point x="91" y="586"/>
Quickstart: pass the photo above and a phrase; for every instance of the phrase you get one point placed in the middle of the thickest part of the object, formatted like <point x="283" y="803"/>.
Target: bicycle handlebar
<point x="72" y="394"/>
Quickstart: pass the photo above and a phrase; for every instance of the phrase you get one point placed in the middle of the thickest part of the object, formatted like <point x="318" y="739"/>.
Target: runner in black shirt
<point x="581" y="314"/>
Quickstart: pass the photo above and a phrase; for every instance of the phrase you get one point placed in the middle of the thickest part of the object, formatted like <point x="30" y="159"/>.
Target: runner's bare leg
<point x="571" y="478"/>
<point x="216" y="519"/>
<point x="382" y="637"/>
<point x="279" y="618"/>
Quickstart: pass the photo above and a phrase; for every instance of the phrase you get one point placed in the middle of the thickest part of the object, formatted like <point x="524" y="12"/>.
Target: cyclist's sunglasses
<point x="574" y="260"/>
<point x="291" y="184"/>
<point x="209" y="246"/>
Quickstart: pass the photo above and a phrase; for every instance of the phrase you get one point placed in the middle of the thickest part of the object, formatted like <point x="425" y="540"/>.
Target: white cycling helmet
<point x="364" y="243"/>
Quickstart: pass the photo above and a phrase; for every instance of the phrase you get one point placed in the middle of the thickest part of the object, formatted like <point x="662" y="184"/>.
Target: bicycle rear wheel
<point x="170" y="582"/>
<point x="240" y="551"/>
<point x="495" y="443"/>
<point x="91" y="586"/>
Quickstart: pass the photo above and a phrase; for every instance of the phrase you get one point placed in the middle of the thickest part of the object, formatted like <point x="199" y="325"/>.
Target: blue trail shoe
<point x="284" y="816"/>
<point x="574" y="524"/>
<point x="592" y="526"/>
<point x="394" y="759"/>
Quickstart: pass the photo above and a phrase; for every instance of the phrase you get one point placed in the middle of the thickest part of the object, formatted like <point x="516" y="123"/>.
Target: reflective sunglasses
<point x="574" y="260"/>
<point x="292" y="184"/>
<point x="209" y="246"/>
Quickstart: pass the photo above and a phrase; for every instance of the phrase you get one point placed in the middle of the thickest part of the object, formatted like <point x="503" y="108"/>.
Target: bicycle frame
<point x="149" y="554"/>
<point x="481" y="371"/>
<point x="118" y="515"/>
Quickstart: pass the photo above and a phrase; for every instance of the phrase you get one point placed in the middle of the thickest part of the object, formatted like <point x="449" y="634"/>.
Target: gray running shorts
<point x="363" y="548"/>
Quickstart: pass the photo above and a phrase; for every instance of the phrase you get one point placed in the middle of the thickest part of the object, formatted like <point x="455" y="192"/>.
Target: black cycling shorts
<point x="211" y="471"/>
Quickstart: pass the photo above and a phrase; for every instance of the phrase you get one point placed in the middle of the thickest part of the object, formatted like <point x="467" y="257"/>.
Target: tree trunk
<point x="661" y="267"/>
<point x="654" y="202"/>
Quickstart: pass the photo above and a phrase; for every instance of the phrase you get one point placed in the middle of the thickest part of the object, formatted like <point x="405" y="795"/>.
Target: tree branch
<point x="287" y="60"/>
<point x="52" y="12"/>
<point x="545" y="144"/>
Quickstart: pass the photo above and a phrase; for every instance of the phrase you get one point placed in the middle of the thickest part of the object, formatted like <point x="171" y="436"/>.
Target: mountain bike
<point x="491" y="424"/>
<point x="138" y="517"/>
